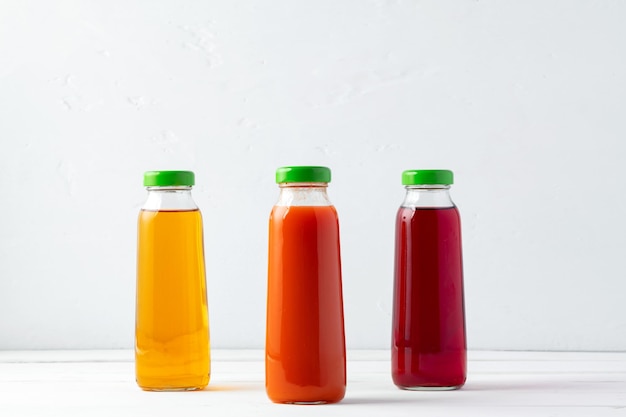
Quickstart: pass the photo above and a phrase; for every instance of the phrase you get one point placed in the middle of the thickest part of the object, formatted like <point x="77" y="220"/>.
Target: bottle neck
<point x="427" y="196"/>
<point x="303" y="194"/>
<point x="169" y="199"/>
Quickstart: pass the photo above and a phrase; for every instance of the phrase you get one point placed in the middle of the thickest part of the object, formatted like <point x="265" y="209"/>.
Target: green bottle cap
<point x="427" y="176"/>
<point x="168" y="178"/>
<point x="302" y="174"/>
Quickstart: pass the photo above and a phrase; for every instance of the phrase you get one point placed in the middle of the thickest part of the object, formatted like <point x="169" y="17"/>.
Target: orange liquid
<point x="172" y="325"/>
<point x="305" y="356"/>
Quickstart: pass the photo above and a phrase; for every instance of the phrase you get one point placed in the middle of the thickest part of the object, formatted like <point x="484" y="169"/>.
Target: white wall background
<point x="524" y="100"/>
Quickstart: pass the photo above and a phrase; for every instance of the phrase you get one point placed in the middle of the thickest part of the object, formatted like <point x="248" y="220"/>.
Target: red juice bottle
<point x="428" y="342"/>
<point x="305" y="348"/>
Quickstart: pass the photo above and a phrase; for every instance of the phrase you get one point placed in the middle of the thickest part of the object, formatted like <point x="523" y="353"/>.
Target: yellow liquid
<point x="172" y="324"/>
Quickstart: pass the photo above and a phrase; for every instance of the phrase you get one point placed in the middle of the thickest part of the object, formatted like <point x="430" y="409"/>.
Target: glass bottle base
<point x="306" y="402"/>
<point x="174" y="389"/>
<point x="312" y="400"/>
<point x="173" y="384"/>
<point x="452" y="388"/>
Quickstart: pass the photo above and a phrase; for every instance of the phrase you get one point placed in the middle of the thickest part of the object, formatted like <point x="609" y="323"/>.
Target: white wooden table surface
<point x="101" y="383"/>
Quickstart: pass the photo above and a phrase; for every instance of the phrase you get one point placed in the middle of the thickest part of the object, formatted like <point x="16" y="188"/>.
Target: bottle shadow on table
<point x="509" y="386"/>
<point x="384" y="400"/>
<point x="230" y="387"/>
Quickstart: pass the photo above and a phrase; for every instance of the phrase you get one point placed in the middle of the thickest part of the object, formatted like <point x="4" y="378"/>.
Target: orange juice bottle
<point x="172" y="324"/>
<point x="305" y="354"/>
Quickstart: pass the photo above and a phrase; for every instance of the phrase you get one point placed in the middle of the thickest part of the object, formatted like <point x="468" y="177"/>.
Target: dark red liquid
<point x="428" y="342"/>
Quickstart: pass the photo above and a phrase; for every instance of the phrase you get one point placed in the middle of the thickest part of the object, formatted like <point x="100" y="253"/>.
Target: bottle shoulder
<point x="428" y="215"/>
<point x="303" y="214"/>
<point x="281" y="210"/>
<point x="175" y="219"/>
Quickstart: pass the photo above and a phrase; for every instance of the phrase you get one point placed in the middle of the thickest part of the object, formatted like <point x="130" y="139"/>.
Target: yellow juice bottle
<point x="172" y="325"/>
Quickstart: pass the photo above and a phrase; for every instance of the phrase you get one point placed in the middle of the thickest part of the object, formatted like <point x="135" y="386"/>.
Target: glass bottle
<point x="172" y="325"/>
<point x="305" y="354"/>
<point x="428" y="341"/>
